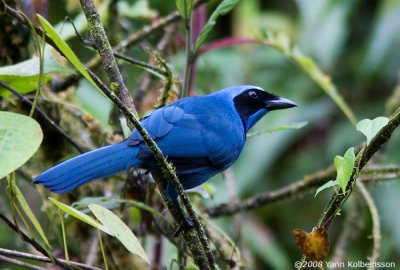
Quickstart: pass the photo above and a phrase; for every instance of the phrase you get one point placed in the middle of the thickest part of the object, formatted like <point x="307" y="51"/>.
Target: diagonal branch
<point x="168" y="175"/>
<point x="62" y="263"/>
<point x="309" y="183"/>
<point x="365" y="154"/>
<point x="20" y="263"/>
<point x="297" y="188"/>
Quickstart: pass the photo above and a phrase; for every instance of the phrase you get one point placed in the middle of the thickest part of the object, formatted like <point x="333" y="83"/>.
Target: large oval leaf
<point x="24" y="76"/>
<point x="20" y="137"/>
<point x="119" y="229"/>
<point x="79" y="215"/>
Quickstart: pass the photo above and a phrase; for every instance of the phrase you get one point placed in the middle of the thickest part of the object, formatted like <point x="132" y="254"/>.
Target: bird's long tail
<point x="92" y="165"/>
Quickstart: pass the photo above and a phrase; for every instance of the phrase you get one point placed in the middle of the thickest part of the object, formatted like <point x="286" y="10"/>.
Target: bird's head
<point x="252" y="103"/>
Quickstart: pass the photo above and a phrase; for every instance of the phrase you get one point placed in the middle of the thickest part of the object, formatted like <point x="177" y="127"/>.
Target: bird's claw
<point x="185" y="225"/>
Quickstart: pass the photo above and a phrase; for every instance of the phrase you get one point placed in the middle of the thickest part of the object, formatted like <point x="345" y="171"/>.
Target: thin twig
<point x="352" y="226"/>
<point x="20" y="263"/>
<point x="374" y="173"/>
<point x="188" y="49"/>
<point x="62" y="263"/>
<point x="144" y="65"/>
<point x="305" y="184"/>
<point x="104" y="49"/>
<point x="43" y="114"/>
<point x="376" y="225"/>
<point x="365" y="154"/>
<point x="191" y="236"/>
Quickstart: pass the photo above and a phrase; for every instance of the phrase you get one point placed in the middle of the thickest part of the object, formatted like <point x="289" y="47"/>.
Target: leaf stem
<point x="188" y="51"/>
<point x="60" y="213"/>
<point x="103" y="253"/>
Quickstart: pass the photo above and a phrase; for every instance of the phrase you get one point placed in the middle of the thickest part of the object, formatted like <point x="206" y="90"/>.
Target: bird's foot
<point x="185" y="225"/>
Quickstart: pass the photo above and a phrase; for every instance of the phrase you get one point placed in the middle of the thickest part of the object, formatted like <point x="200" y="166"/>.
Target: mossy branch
<point x="363" y="156"/>
<point x="119" y="95"/>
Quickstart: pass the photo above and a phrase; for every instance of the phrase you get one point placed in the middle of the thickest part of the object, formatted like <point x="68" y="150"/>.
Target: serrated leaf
<point x="184" y="7"/>
<point x="20" y="137"/>
<point x="344" y="167"/>
<point x="223" y="8"/>
<point x="79" y="215"/>
<point x="65" y="49"/>
<point x="119" y="229"/>
<point x="371" y="127"/>
<point x="28" y="212"/>
<point x="327" y="185"/>
<point x="24" y="76"/>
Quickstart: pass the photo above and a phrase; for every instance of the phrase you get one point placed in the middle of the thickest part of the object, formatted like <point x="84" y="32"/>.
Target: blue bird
<point x="201" y="136"/>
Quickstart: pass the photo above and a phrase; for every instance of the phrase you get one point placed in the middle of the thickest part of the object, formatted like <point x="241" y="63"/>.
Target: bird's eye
<point x="253" y="94"/>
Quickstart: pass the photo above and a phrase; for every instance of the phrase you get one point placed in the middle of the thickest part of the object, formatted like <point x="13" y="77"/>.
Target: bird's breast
<point x="224" y="137"/>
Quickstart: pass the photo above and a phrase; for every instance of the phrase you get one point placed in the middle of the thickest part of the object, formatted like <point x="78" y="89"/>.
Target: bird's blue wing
<point x="158" y="124"/>
<point x="178" y="134"/>
<point x="192" y="137"/>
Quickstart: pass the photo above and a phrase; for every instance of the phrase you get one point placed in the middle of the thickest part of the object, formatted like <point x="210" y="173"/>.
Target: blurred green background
<point x="356" y="43"/>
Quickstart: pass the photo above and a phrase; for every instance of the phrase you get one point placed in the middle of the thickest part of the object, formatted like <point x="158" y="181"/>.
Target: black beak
<point x="279" y="103"/>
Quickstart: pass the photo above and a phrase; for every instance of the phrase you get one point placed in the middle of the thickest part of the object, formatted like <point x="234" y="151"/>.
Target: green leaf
<point x="28" y="212"/>
<point x="119" y="229"/>
<point x="20" y="137"/>
<point x="344" y="167"/>
<point x="79" y="215"/>
<point x="371" y="127"/>
<point x="327" y="185"/>
<point x="112" y="203"/>
<point x="223" y="8"/>
<point x="24" y="76"/>
<point x="65" y="49"/>
<point x="184" y="7"/>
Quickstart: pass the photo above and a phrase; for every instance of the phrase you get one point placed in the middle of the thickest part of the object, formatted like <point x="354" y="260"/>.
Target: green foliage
<point x="16" y="192"/>
<point x="185" y="8"/>
<point x="113" y="203"/>
<point x="65" y="49"/>
<point x="344" y="169"/>
<point x="79" y="215"/>
<point x="118" y="229"/>
<point x="24" y="76"/>
<point x="20" y="137"/>
<point x="329" y="184"/>
<point x="281" y="42"/>
<point x="371" y="127"/>
<point x="223" y="8"/>
<point x="110" y="224"/>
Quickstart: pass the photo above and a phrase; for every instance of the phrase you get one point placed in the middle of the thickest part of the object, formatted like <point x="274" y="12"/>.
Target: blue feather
<point x="201" y="136"/>
<point x="95" y="164"/>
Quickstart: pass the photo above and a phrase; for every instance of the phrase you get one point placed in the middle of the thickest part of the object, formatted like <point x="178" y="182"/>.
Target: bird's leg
<point x="185" y="223"/>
